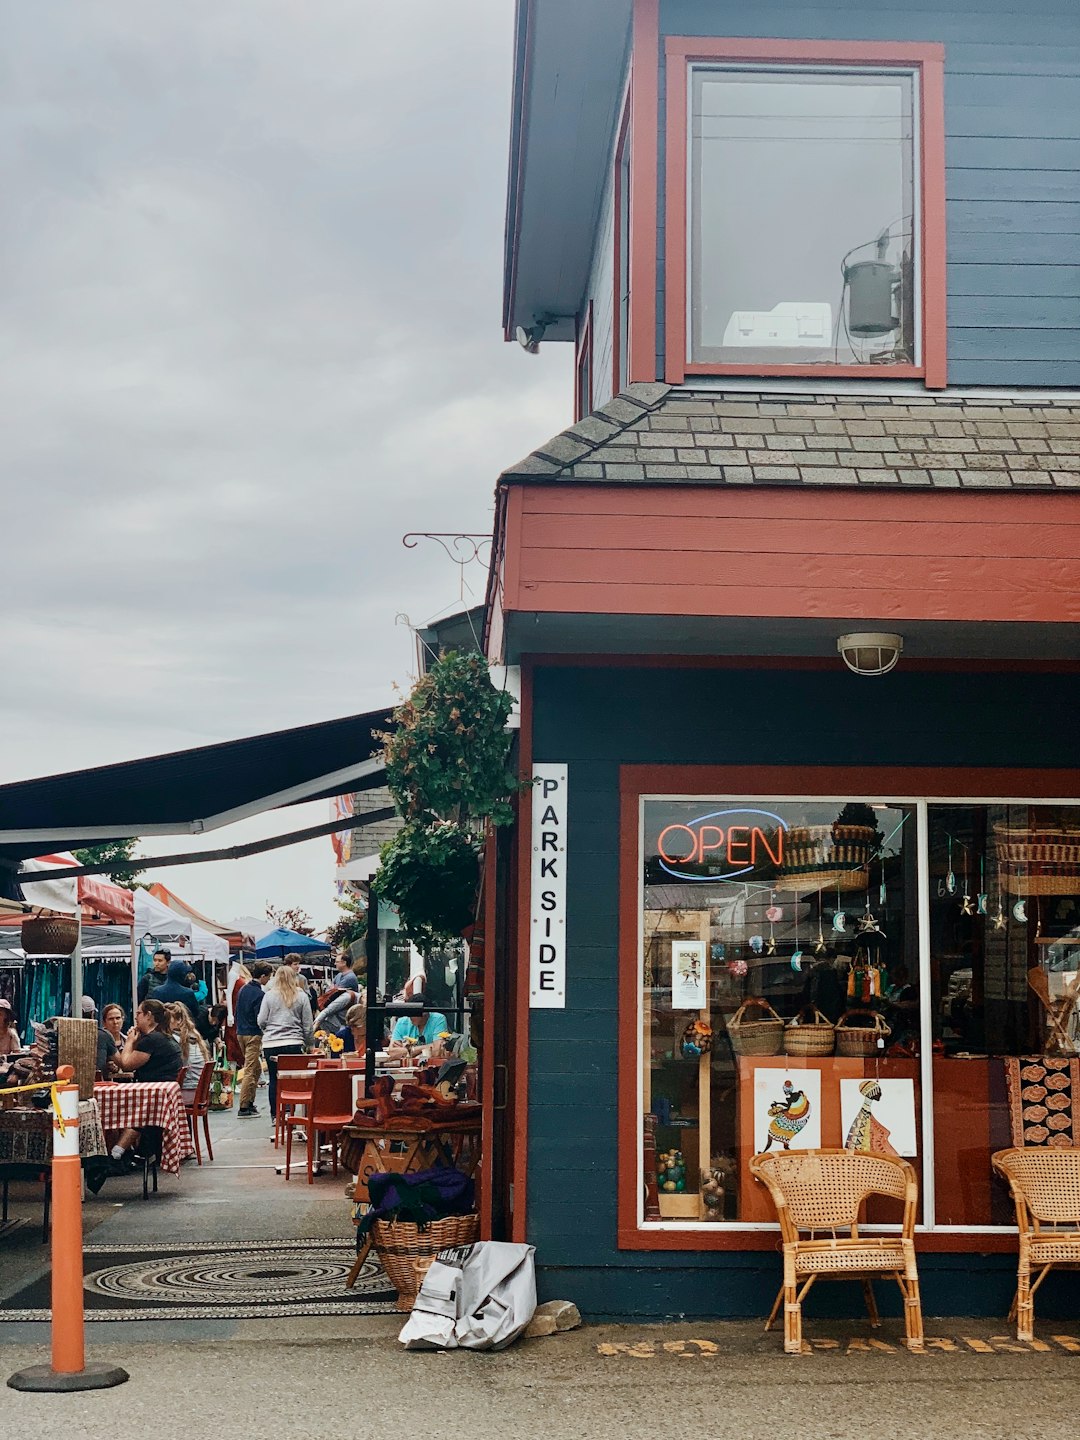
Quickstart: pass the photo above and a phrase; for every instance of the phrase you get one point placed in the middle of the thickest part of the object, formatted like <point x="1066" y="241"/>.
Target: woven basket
<point x="51" y="935"/>
<point x="814" y="1035"/>
<point x="860" y="1040"/>
<point x="406" y="1251"/>
<point x="76" y="1045"/>
<point x="1057" y="847"/>
<point x="756" y="1037"/>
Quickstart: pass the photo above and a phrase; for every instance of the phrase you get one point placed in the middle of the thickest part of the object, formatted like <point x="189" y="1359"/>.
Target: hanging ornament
<point x="1019" y="912"/>
<point x="982" y="899"/>
<point x="1000" y="919"/>
<point x="757" y="944"/>
<point x="738" y="968"/>
<point x="950" y="878"/>
<point x="770" y="944"/>
<point x="967" y="905"/>
<point x="882" y="895"/>
<point x="774" y="913"/>
<point x="839" y="922"/>
<point x="797" y="961"/>
<point x="820" y="944"/>
<point x="868" y="924"/>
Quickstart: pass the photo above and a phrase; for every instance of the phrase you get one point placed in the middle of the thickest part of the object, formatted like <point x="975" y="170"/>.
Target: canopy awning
<point x="189" y="792"/>
<point x="181" y="907"/>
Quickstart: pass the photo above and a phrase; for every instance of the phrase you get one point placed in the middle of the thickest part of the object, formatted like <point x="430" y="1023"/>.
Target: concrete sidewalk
<point x="605" y="1383"/>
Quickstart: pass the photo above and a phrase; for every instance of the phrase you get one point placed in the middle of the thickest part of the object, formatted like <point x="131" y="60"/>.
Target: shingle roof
<point x="654" y="434"/>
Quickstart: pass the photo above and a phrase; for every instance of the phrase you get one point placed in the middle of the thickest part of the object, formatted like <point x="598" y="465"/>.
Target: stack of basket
<point x="406" y="1251"/>
<point x="861" y="1040"/>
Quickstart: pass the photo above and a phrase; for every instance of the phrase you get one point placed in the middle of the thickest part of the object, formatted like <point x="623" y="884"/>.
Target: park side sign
<point x="547" y="918"/>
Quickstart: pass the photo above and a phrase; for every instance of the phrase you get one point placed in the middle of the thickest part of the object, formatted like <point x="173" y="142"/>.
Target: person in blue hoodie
<point x="176" y="989"/>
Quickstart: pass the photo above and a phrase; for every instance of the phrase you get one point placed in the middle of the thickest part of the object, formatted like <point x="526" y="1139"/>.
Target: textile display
<point x="1043" y="1098"/>
<point x="46" y="990"/>
<point x="26" y="1135"/>
<point x="108" y="982"/>
<point x="133" y="1106"/>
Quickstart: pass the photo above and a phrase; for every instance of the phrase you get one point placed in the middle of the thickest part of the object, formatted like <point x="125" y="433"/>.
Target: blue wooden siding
<point x="1012" y="98"/>
<point x="595" y="720"/>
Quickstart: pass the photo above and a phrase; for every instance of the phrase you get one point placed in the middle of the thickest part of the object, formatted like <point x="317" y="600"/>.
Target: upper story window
<point x="804" y="209"/>
<point x="803" y="188"/>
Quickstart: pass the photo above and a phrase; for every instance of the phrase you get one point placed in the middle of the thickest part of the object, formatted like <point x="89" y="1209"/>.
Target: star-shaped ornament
<point x="967" y="905"/>
<point x="868" y="924"/>
<point x="770" y="945"/>
<point x="820" y="945"/>
<point x="1000" y="919"/>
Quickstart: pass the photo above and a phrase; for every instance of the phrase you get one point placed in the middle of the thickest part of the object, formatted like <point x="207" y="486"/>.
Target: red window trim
<point x="618" y="238"/>
<point x="583" y="353"/>
<point x="638" y="780"/>
<point x="929" y="61"/>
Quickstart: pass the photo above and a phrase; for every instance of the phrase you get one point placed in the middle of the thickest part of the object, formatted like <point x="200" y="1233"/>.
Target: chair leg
<point x="288" y="1150"/>
<point x="871" y="1304"/>
<point x="775" y="1310"/>
<point x="913" y="1319"/>
<point x="193" y="1126"/>
<point x="145" y="1179"/>
<point x="206" y="1132"/>
<point x="361" y="1256"/>
<point x="1025" y="1307"/>
<point x="792" y="1306"/>
<point x="334" y="1135"/>
<point x="155" y="1164"/>
<point x="310" y="1152"/>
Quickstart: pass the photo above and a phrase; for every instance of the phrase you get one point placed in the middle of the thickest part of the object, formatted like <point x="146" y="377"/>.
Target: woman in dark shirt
<point x="150" y="1053"/>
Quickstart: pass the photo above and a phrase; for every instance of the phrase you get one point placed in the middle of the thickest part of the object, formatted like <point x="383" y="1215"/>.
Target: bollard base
<point x="45" y="1378"/>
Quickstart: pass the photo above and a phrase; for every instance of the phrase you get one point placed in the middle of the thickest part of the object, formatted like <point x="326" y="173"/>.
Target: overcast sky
<point x="250" y="279"/>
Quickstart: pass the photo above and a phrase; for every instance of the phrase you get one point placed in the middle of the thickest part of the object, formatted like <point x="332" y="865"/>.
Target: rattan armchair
<point x="1045" y="1185"/>
<point x="818" y="1196"/>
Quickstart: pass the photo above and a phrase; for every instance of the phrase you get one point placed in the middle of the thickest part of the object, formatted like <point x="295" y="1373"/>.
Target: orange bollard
<point x="68" y="1370"/>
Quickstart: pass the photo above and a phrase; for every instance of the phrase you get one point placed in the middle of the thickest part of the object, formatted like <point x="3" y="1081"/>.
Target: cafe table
<point x="129" y="1105"/>
<point x="26" y="1133"/>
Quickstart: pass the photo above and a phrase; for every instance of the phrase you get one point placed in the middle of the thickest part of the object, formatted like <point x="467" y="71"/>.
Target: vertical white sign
<point x="688" y="991"/>
<point x="547" y="894"/>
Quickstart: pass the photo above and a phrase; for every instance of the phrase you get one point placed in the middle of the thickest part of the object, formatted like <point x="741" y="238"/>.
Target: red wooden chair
<point x="301" y="1093"/>
<point x="331" y="1109"/>
<point x="197" y="1105"/>
<point x="292" y="1089"/>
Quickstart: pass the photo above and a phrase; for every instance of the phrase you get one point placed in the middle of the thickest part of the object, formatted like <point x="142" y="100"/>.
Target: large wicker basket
<point x="406" y="1251"/>
<point x="76" y="1045"/>
<point x="810" y="1033"/>
<point x="49" y="935"/>
<point x="860" y="1040"/>
<point x="756" y="1037"/>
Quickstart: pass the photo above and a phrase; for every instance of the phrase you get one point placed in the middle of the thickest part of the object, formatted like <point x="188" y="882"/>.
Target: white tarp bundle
<point x="474" y="1297"/>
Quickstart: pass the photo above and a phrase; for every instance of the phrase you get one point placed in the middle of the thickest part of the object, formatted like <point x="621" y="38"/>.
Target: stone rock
<point x="553" y="1316"/>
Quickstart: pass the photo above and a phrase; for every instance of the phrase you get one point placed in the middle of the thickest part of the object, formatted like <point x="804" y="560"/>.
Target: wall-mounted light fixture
<point x="529" y="336"/>
<point x="870" y="652"/>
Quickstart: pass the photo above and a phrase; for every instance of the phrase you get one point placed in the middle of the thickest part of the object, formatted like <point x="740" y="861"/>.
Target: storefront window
<point x="814" y="971"/>
<point x="766" y="925"/>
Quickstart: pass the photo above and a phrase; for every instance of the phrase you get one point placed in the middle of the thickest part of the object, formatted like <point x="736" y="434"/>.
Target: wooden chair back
<point x="1045" y="1184"/>
<point x="201" y="1098"/>
<point x="332" y="1094"/>
<point x="825" y="1189"/>
<point x="296" y="1062"/>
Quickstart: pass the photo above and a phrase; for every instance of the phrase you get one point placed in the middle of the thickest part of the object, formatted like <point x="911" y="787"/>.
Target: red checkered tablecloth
<point x="132" y="1106"/>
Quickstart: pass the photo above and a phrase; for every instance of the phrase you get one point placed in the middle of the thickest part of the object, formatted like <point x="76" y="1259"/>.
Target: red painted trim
<point x="616" y="313"/>
<point x="929" y="61"/>
<point x="617" y="661"/>
<point x="583" y="353"/>
<point x="645" y="107"/>
<point x="519" y="1101"/>
<point x="934" y="240"/>
<point x="675" y="228"/>
<point x="487" y="1068"/>
<point x="750" y="780"/>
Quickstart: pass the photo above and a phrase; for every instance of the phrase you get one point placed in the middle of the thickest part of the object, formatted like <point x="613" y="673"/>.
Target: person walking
<point x="248" y="1004"/>
<point x="285" y="1021"/>
<point x="175" y="989"/>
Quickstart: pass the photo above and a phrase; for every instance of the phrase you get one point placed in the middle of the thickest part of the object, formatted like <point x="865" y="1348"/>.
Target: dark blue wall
<point x="597" y="719"/>
<point x="1012" y="119"/>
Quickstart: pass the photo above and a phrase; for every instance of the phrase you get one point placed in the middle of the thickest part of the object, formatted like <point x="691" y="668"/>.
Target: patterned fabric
<point x="134" y="1107"/>
<point x="1043" y="1098"/>
<point x="26" y="1135"/>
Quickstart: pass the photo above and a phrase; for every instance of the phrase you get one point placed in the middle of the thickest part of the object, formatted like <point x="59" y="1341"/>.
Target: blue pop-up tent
<point x="281" y="942"/>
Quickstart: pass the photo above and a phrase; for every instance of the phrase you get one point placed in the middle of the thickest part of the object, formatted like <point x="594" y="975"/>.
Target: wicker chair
<point x="1045" y="1185"/>
<point x="819" y="1193"/>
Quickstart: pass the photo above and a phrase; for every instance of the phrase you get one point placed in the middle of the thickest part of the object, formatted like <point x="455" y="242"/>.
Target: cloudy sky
<point x="250" y="280"/>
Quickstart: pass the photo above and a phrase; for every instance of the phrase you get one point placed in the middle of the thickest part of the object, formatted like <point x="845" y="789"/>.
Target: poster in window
<point x="878" y="1116"/>
<point x="787" y="1109"/>
<point x="688" y="990"/>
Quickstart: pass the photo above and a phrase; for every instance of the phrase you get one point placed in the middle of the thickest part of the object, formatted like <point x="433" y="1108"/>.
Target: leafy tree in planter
<point x="448" y="769"/>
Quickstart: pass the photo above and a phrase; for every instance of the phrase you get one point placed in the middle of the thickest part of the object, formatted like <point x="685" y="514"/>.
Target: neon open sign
<point x="729" y="843"/>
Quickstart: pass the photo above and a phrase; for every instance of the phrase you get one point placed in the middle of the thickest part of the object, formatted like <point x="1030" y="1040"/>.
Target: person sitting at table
<point x="421" y="1029"/>
<point x="9" y="1036"/>
<point x="112" y="1024"/>
<point x="177" y="990"/>
<point x="106" y="1045"/>
<point x="353" y="1034"/>
<point x="150" y="1054"/>
<point x="194" y="1052"/>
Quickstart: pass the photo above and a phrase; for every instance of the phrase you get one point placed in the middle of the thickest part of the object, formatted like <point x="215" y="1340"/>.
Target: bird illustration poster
<point x="787" y="1109"/>
<point x="878" y="1116"/>
<point x="688" y="991"/>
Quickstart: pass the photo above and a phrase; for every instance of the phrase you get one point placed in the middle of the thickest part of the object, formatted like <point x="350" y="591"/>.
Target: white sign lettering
<point x="547" y="929"/>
